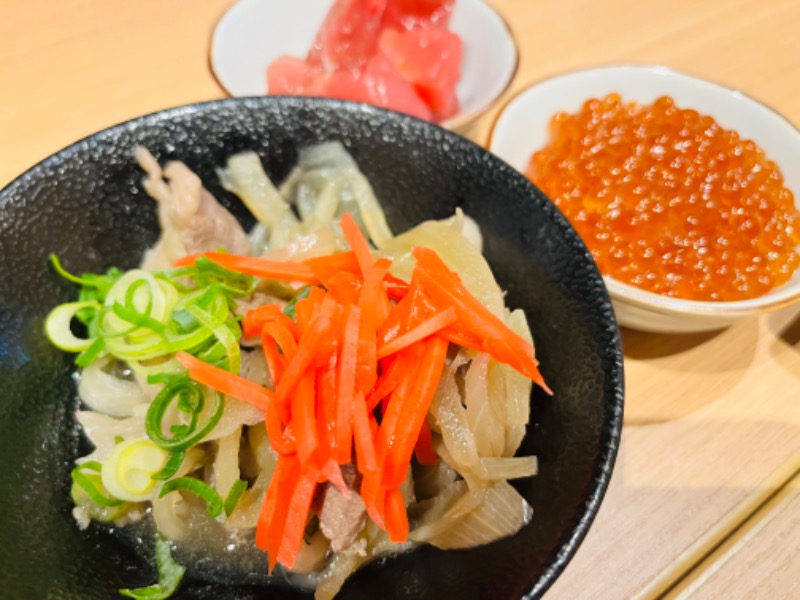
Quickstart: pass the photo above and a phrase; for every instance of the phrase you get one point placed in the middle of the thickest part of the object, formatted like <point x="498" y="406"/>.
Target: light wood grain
<point x="765" y="548"/>
<point x="709" y="418"/>
<point x="71" y="67"/>
<point x="711" y="430"/>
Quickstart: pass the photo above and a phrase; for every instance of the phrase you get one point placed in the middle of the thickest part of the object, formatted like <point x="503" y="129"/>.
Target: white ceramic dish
<point x="252" y="33"/>
<point x="522" y="128"/>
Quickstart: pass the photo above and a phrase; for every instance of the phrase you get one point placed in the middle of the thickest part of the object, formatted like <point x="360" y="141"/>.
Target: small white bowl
<point x="253" y="33"/>
<point x="522" y="128"/>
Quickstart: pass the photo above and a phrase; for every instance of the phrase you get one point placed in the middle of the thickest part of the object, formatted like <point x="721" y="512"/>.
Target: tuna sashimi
<point x="292" y="76"/>
<point x="349" y="34"/>
<point x="417" y="14"/>
<point x="381" y="85"/>
<point x="397" y="54"/>
<point x="431" y="60"/>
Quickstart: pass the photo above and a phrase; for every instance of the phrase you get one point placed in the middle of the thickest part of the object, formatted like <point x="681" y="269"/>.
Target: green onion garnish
<point x="237" y="489"/>
<point x="200" y="488"/>
<point x="100" y="283"/>
<point x="215" y="503"/>
<point x="170" y="574"/>
<point x="91" y="483"/>
<point x="190" y="399"/>
<point x="289" y="310"/>
<point x="223" y="333"/>
<point x="138" y="316"/>
<point x="138" y="319"/>
<point x="234" y="284"/>
<point x="88" y="356"/>
<point x="172" y="466"/>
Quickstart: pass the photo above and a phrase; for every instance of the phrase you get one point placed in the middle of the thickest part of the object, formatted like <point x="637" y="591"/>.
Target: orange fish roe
<point x="669" y="201"/>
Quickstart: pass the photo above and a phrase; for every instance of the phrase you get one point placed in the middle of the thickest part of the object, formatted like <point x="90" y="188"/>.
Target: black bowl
<point x="85" y="204"/>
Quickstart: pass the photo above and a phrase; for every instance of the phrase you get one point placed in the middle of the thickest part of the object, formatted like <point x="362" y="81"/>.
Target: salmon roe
<point x="669" y="201"/>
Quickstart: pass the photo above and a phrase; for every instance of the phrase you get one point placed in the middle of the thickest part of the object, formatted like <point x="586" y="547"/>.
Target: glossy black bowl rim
<point x="611" y="430"/>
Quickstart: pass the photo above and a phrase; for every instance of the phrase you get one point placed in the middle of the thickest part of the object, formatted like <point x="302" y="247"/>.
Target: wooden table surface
<point x="704" y="501"/>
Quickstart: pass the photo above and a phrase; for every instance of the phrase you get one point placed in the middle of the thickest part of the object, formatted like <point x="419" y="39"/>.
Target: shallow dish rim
<point x="460" y="122"/>
<point x="644" y="298"/>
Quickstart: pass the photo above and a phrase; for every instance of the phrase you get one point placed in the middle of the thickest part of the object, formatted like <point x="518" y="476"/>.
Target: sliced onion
<point x="162" y="255"/>
<point x="317" y="194"/>
<point x="429" y="482"/>
<point x="327" y="155"/>
<point x="495" y="469"/>
<point x="466" y="226"/>
<point x="465" y="501"/>
<point x="457" y="253"/>
<point x="234" y="416"/>
<point x="500" y="512"/>
<point x="341" y="567"/>
<point x="226" y="463"/>
<point x="324" y="212"/>
<point x="245" y="516"/>
<point x="172" y="513"/>
<point x="262" y="450"/>
<point x="247" y="511"/>
<point x="433" y="509"/>
<point x="327" y="183"/>
<point x="370" y="210"/>
<point x="103" y="430"/>
<point x="450" y="418"/>
<point x="517" y="389"/>
<point x="311" y="554"/>
<point x="286" y="231"/>
<point x="108" y="394"/>
<point x="245" y="177"/>
<point x="481" y="418"/>
<point x="320" y="241"/>
<point x="254" y="367"/>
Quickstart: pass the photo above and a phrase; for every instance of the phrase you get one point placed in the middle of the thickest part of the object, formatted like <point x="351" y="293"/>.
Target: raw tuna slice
<point x="431" y="60"/>
<point x="418" y="14"/>
<point x="288" y="75"/>
<point x="379" y="84"/>
<point x="349" y="34"/>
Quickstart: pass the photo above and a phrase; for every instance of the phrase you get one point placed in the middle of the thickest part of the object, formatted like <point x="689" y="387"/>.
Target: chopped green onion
<point x="170" y="574"/>
<point x="91" y="484"/>
<point x="173" y="464"/>
<point x="234" y="495"/>
<point x="110" y="326"/>
<point x="132" y="295"/>
<point x="57" y="326"/>
<point x="66" y="274"/>
<point x="235" y="284"/>
<point x="223" y="333"/>
<point x="128" y="469"/>
<point x="289" y="309"/>
<point x="100" y="283"/>
<point x="214" y="354"/>
<point x="137" y="316"/>
<point x="90" y="354"/>
<point x="138" y="319"/>
<point x="200" y="488"/>
<point x="185" y="321"/>
<point x="190" y="399"/>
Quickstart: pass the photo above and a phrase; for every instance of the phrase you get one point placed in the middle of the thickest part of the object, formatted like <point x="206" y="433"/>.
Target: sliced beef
<point x="191" y="219"/>
<point x="342" y="518"/>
